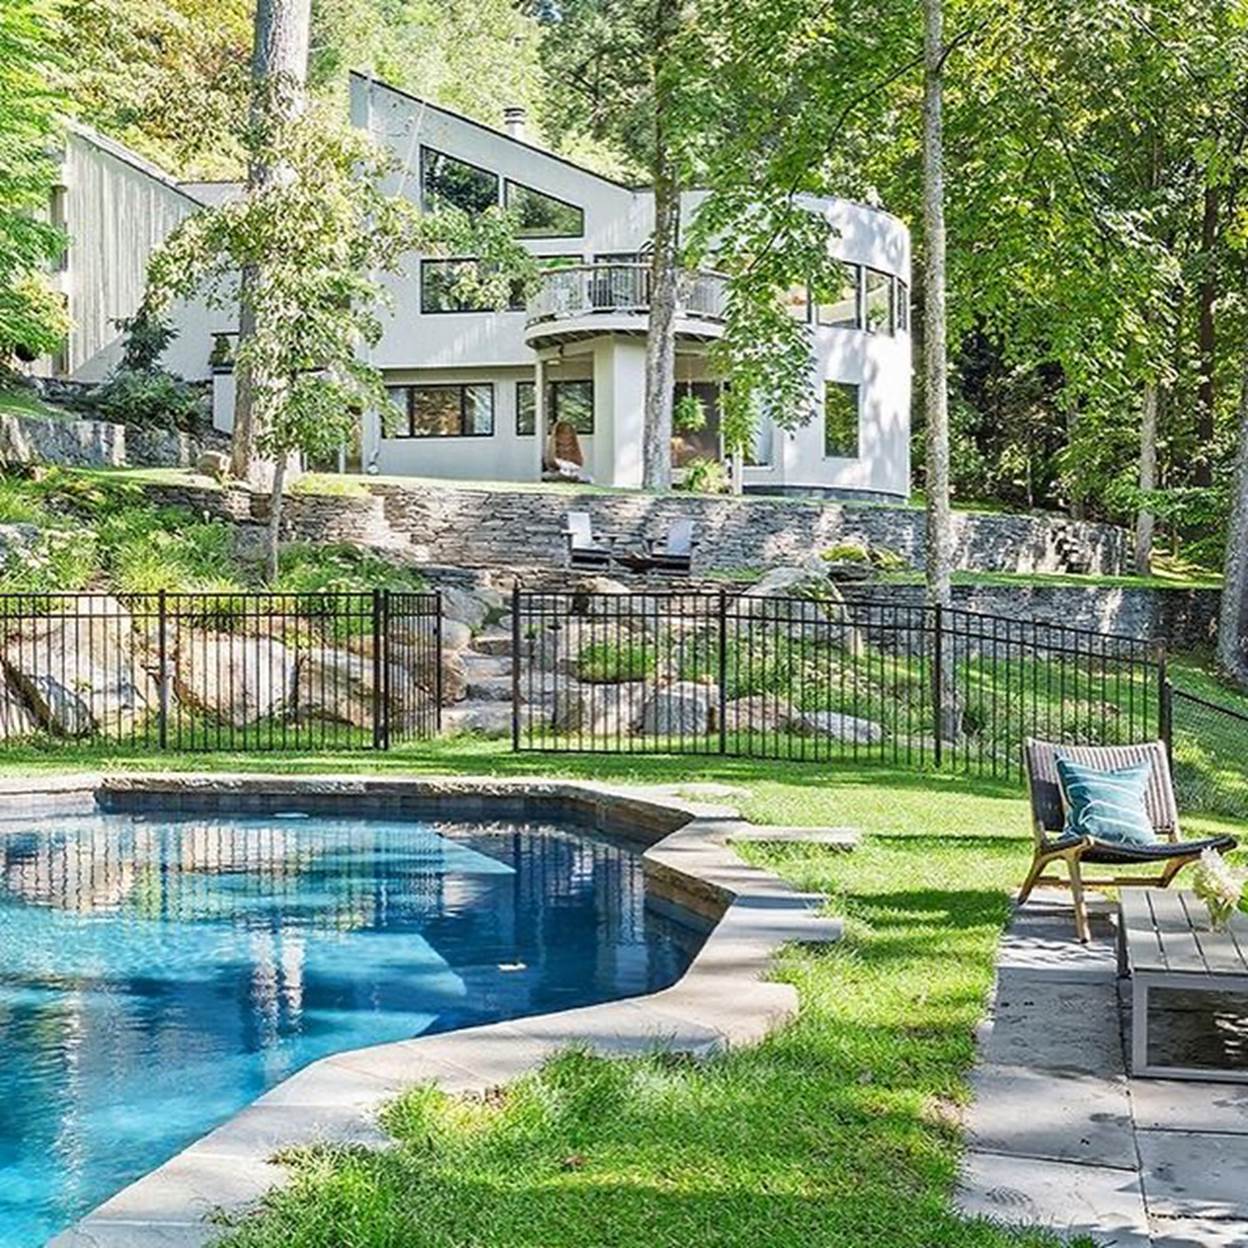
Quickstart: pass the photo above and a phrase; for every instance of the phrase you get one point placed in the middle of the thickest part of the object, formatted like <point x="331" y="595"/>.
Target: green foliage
<point x="703" y="475"/>
<point x="147" y="549"/>
<point x="20" y="503"/>
<point x="688" y="414"/>
<point x="340" y="569"/>
<point x="32" y="316"/>
<point x="608" y="662"/>
<point x="64" y="560"/>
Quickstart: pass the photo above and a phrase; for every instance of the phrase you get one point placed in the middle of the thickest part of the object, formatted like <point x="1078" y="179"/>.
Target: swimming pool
<point x="157" y="973"/>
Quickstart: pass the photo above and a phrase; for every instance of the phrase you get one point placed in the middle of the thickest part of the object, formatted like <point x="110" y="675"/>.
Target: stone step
<point x="492" y="643"/>
<point x="491" y="719"/>
<point x="488" y="688"/>
<point x="486" y="666"/>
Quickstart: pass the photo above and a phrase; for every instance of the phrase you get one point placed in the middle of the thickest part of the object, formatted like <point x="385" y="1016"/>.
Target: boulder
<point x="603" y="711"/>
<point x="85" y="674"/>
<point x="234" y="678"/>
<point x="466" y="607"/>
<point x="16" y="718"/>
<point x="412" y="635"/>
<point x="340" y="686"/>
<point x="683" y="708"/>
<point x="811" y="605"/>
<point x="18" y="541"/>
<point x="215" y="464"/>
<point x="842" y="727"/>
<point x="424" y="675"/>
<point x="760" y="713"/>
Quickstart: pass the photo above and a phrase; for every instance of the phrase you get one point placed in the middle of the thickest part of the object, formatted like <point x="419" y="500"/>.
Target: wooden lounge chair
<point x="673" y="554"/>
<point x="584" y="550"/>
<point x="1053" y="845"/>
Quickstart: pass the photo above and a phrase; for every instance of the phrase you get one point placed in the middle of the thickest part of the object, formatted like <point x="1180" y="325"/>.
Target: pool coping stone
<point x="724" y="1000"/>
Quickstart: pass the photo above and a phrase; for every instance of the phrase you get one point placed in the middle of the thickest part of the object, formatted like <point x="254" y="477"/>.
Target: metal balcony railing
<point x="588" y="289"/>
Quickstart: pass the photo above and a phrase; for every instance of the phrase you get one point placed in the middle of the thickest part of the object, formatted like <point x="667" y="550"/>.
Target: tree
<point x="935" y="352"/>
<point x="1233" y="614"/>
<point x="321" y="236"/>
<point x="620" y="67"/>
<point x="32" y="317"/>
<point x="279" y="68"/>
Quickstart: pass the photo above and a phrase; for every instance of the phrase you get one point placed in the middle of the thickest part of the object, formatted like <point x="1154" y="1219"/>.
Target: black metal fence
<point x="220" y="671"/>
<point x="800" y="679"/>
<point x="1209" y="752"/>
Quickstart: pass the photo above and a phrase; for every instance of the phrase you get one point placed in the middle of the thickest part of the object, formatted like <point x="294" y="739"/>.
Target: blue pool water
<point x="157" y="974"/>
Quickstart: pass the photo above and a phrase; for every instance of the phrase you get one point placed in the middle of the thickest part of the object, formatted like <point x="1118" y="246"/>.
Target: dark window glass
<point x="901" y="316"/>
<point x="446" y="286"/>
<point x="838" y="303"/>
<point x="444" y="411"/>
<point x="879" y="301"/>
<point x="840" y="420"/>
<point x="399" y="426"/>
<point x="446" y="180"/>
<point x="526" y="409"/>
<point x="572" y="401"/>
<point x="543" y="216"/>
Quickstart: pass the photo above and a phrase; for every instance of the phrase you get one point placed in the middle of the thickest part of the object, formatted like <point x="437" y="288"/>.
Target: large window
<point x="449" y="286"/>
<point x="838" y="297"/>
<point x="840" y="420"/>
<point x="543" y="216"/>
<point x="879" y="302"/>
<point x="442" y="411"/>
<point x="572" y="401"/>
<point x="447" y="180"/>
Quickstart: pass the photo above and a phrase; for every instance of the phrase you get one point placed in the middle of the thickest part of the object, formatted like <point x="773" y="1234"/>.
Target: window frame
<point x="856" y="388"/>
<point x="509" y="183"/>
<point x="901" y="306"/>
<point x="889" y="329"/>
<point x="426" y="151"/>
<point x="551" y="407"/>
<point x="410" y="388"/>
<point x="860" y="301"/>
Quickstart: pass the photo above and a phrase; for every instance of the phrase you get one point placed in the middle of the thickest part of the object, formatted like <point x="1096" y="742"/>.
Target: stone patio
<point x="1059" y="1135"/>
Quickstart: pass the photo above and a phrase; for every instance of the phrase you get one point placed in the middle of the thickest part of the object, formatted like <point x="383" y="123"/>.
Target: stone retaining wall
<point x="92" y="443"/>
<point x="463" y="525"/>
<point x="1182" y="618"/>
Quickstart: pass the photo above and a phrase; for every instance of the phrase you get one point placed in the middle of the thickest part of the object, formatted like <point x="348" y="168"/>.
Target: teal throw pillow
<point x="1108" y="806"/>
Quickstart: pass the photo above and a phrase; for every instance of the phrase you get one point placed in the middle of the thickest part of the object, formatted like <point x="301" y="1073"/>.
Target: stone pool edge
<point x="723" y="1000"/>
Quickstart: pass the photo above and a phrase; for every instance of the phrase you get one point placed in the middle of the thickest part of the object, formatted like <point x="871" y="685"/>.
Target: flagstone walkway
<point x="1058" y="1133"/>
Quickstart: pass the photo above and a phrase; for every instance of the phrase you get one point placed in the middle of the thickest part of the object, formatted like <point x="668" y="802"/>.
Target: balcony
<point x="586" y="300"/>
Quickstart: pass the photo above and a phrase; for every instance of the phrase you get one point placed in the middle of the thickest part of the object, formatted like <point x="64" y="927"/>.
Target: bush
<point x="611" y="662"/>
<point x="155" y="400"/>
<point x="705" y="476"/>
<point x="64" y="560"/>
<point x="21" y="503"/>
<point x="341" y="569"/>
<point x="147" y="549"/>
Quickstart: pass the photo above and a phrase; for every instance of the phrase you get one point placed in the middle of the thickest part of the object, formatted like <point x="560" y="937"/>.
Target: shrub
<point x="156" y="400"/>
<point x="608" y="662"/>
<point x="341" y="569"/>
<point x="20" y="503"/>
<point x="705" y="476"/>
<point x="147" y="549"/>
<point x="64" y="559"/>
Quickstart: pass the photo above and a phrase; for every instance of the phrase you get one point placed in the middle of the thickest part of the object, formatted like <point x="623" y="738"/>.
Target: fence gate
<point x="817" y="680"/>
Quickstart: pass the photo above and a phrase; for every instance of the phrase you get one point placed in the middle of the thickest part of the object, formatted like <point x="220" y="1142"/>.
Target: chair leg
<point x="1038" y="863"/>
<point x="1171" y="870"/>
<point x="1082" y="930"/>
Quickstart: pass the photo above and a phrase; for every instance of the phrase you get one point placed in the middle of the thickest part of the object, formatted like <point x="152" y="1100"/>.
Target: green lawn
<point x="18" y="401"/>
<point x="841" y="1130"/>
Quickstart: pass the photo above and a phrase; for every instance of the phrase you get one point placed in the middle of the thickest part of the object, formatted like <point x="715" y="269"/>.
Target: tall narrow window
<point x="58" y="219"/>
<point x="879" y="301"/>
<point x="543" y="216"/>
<point x="447" y="180"/>
<point x="526" y="409"/>
<point x="901" y="313"/>
<point x="838" y="297"/>
<point x="840" y="420"/>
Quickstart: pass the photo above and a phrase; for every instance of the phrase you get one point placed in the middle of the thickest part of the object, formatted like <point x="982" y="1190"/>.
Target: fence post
<point x="1165" y="705"/>
<point x="437" y="663"/>
<point x="938" y="680"/>
<point x="722" y="674"/>
<point x="378" y="700"/>
<point x="162" y="619"/>
<point x="515" y="666"/>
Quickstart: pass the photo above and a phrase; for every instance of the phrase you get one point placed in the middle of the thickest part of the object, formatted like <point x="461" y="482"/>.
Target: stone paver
<point x="1054" y="1115"/>
<point x="1058" y="1135"/>
<point x="1069" y="1199"/>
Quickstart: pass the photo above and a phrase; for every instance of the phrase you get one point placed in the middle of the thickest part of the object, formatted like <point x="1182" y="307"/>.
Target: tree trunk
<point x="1233" y="616"/>
<point x="1145" y="520"/>
<point x="279" y="70"/>
<point x="1205" y="341"/>
<point x="935" y="361"/>
<point x="664" y="269"/>
<point x="273" y="540"/>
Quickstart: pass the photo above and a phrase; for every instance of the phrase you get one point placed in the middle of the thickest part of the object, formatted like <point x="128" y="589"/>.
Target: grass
<point x="18" y="401"/>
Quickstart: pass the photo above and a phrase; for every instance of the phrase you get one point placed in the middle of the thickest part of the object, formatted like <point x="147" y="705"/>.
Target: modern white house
<point x="474" y="385"/>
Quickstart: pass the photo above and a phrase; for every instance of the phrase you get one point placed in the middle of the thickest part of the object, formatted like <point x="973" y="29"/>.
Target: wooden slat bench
<point x="1165" y="941"/>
